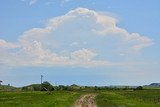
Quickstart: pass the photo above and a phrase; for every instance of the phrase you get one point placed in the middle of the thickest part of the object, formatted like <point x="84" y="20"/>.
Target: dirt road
<point x="87" y="100"/>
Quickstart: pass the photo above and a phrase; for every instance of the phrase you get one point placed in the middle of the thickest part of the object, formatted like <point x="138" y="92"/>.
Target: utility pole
<point x="41" y="79"/>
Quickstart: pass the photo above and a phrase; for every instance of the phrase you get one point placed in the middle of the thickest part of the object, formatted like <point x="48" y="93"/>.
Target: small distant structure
<point x="1" y="82"/>
<point x="41" y="79"/>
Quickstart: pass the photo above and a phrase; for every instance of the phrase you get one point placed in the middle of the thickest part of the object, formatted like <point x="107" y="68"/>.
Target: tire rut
<point x="87" y="100"/>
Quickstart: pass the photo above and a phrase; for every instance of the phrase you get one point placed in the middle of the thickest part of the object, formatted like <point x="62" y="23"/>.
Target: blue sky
<point x="86" y="42"/>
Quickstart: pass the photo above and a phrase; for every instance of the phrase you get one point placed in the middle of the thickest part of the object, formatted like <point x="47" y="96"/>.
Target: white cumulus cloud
<point x="78" y="38"/>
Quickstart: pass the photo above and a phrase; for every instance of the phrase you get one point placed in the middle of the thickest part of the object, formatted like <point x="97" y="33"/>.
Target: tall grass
<point x="38" y="99"/>
<point x="124" y="98"/>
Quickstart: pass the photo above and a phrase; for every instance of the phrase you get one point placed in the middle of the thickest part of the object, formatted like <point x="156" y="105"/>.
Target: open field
<point x="129" y="98"/>
<point x="38" y="99"/>
<point x="103" y="98"/>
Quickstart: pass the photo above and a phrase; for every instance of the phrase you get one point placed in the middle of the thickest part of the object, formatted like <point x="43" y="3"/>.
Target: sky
<point x="84" y="42"/>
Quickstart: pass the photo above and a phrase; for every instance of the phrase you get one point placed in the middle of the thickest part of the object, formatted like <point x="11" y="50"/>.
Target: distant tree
<point x="95" y="87"/>
<point x="139" y="88"/>
<point x="36" y="87"/>
<point x="126" y="88"/>
<point x="25" y="88"/>
<point x="74" y="85"/>
<point x="62" y="87"/>
<point x="1" y="82"/>
<point x="46" y="86"/>
<point x="106" y="87"/>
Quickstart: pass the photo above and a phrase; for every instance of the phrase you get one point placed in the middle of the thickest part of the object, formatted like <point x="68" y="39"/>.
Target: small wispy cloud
<point x="64" y="2"/>
<point x="47" y="2"/>
<point x="67" y="0"/>
<point x="30" y="2"/>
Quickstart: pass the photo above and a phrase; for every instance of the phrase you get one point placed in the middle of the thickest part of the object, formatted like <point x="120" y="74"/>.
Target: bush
<point x="46" y="86"/>
<point x="139" y="88"/>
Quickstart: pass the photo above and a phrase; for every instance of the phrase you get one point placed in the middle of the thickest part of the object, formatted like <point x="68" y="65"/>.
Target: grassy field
<point x="129" y="98"/>
<point x="104" y="98"/>
<point x="38" y="99"/>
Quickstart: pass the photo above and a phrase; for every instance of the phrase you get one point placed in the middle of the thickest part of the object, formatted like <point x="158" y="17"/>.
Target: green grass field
<point x="104" y="98"/>
<point x="129" y="98"/>
<point x="38" y="99"/>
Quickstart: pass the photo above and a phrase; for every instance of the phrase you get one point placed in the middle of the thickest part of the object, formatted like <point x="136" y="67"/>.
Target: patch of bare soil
<point x="87" y="100"/>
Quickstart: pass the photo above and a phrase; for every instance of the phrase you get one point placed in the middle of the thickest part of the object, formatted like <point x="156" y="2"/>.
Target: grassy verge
<point x="124" y="98"/>
<point x="38" y="99"/>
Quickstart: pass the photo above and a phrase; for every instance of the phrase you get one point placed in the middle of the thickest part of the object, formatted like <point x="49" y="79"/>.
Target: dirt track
<point x="87" y="100"/>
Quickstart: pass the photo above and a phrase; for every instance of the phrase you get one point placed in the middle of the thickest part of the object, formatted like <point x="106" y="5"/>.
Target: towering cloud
<point x="82" y="37"/>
